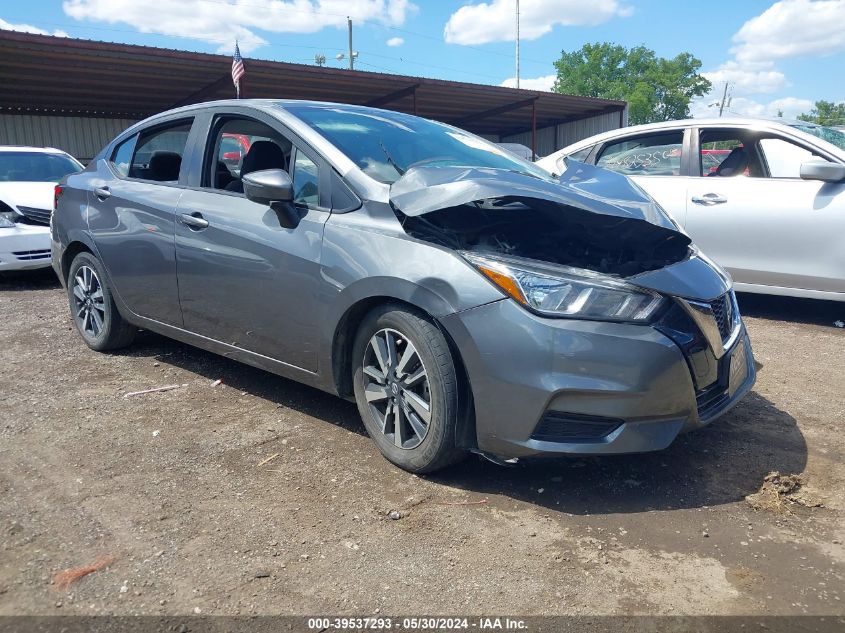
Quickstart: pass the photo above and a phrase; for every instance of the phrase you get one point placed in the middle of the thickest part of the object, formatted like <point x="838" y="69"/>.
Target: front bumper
<point x="547" y="386"/>
<point x="24" y="247"/>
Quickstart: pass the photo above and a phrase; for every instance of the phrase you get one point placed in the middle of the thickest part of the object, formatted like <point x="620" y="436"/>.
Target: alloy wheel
<point x="89" y="303"/>
<point x="397" y="388"/>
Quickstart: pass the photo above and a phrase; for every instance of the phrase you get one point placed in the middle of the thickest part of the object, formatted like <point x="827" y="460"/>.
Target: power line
<point x="403" y="60"/>
<point x="288" y="8"/>
<point x="291" y="9"/>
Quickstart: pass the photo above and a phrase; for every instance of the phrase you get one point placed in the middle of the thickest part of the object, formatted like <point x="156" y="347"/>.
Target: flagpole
<point x="238" y="70"/>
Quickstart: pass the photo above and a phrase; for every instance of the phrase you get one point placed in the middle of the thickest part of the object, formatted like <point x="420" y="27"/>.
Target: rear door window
<point x="656" y="154"/>
<point x="158" y="152"/>
<point x="121" y="158"/>
<point x="581" y="154"/>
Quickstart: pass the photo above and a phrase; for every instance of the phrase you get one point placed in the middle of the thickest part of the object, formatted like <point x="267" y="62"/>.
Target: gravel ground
<point x="260" y="495"/>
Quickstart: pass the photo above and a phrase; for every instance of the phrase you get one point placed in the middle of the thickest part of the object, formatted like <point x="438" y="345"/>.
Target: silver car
<point x="465" y="299"/>
<point x="765" y="199"/>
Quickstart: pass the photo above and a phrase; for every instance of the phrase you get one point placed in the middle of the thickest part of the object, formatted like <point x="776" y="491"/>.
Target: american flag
<point x="238" y="69"/>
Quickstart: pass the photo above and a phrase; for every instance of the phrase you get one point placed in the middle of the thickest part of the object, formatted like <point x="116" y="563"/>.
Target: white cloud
<point x="495" y="21"/>
<point x="27" y="28"/>
<point x="747" y="78"/>
<point x="222" y="22"/>
<point x="792" y="28"/>
<point x="788" y="28"/>
<point x="537" y="83"/>
<point x="395" y="41"/>
<point x="743" y="106"/>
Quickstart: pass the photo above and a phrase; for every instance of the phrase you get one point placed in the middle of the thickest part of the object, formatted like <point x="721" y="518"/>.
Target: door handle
<point x="709" y="199"/>
<point x="193" y="220"/>
<point x="102" y="192"/>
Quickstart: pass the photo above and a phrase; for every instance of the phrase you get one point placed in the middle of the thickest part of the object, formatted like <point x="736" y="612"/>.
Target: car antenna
<point x="390" y="160"/>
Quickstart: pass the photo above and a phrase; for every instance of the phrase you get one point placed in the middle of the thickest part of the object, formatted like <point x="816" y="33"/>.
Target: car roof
<point x="34" y="150"/>
<point x="269" y="103"/>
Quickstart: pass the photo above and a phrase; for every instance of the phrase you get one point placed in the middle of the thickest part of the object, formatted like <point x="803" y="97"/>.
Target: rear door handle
<point x="709" y="199"/>
<point x="193" y="220"/>
<point x="102" y="192"/>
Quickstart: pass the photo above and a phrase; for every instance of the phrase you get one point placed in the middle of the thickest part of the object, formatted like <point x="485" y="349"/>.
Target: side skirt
<point x="235" y="353"/>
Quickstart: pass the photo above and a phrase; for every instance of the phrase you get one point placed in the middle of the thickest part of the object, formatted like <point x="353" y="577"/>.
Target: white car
<point x="764" y="199"/>
<point x="28" y="176"/>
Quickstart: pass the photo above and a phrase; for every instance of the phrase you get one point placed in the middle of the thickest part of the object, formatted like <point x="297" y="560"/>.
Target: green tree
<point x="656" y="89"/>
<point x="826" y="113"/>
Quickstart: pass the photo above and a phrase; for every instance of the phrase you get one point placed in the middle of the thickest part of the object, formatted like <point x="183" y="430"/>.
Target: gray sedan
<point x="465" y="299"/>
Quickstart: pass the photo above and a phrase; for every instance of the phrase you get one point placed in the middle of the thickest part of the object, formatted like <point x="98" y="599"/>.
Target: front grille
<point x="723" y="313"/>
<point x="32" y="255"/>
<point x="574" y="427"/>
<point x="710" y="399"/>
<point x="36" y="216"/>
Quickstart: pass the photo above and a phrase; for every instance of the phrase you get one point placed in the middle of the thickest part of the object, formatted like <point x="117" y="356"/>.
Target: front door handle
<point x="102" y="192"/>
<point x="709" y="199"/>
<point x="193" y="220"/>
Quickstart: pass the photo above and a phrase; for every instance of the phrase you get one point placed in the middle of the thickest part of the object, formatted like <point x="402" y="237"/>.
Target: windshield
<point x="386" y="144"/>
<point x="828" y="134"/>
<point x="35" y="167"/>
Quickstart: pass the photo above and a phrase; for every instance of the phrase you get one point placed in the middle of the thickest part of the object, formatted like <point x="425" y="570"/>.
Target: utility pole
<point x="517" y="43"/>
<point x="351" y="56"/>
<point x="724" y="99"/>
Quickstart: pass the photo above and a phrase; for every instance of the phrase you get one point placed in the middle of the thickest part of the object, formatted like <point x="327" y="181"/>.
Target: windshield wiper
<point x="390" y="160"/>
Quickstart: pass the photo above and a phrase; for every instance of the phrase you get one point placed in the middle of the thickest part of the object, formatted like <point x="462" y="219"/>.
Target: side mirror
<point x="822" y="170"/>
<point x="273" y="187"/>
<point x="268" y="186"/>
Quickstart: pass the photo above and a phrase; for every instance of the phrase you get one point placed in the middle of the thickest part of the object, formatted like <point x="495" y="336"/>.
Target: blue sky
<point x="777" y="55"/>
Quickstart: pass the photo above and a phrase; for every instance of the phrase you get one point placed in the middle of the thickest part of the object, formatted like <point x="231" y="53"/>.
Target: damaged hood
<point x="422" y="190"/>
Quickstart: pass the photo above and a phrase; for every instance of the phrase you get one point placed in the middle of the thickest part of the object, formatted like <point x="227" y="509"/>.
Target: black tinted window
<point x="35" y="167"/>
<point x="158" y="152"/>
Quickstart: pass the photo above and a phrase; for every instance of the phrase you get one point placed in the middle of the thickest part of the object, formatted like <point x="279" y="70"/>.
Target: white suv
<point x="28" y="176"/>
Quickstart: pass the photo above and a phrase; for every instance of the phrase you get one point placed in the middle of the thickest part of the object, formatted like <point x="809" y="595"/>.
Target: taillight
<point x="57" y="193"/>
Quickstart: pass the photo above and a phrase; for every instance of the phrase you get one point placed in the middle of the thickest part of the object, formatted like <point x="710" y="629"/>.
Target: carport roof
<point x="65" y="76"/>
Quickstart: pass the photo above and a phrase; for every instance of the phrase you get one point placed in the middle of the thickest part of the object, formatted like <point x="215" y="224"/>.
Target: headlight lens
<point x="561" y="291"/>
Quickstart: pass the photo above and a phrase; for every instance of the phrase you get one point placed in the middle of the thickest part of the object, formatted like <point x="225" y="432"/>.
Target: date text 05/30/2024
<point x="417" y="624"/>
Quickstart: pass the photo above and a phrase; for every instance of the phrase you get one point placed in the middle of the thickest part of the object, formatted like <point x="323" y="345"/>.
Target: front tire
<point x="93" y="308"/>
<point x="406" y="389"/>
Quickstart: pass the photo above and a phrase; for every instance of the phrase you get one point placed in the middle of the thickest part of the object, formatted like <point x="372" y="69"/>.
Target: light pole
<point x="351" y="54"/>
<point x="517" y="43"/>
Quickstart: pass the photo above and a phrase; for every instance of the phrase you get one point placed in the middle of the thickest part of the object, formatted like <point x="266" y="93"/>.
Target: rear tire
<point x="406" y="389"/>
<point x="92" y="306"/>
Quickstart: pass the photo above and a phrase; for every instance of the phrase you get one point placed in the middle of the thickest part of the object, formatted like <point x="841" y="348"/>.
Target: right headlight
<point x="561" y="291"/>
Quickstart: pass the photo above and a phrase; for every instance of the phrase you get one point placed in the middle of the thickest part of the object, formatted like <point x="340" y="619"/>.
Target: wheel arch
<point x="71" y="251"/>
<point x="342" y="361"/>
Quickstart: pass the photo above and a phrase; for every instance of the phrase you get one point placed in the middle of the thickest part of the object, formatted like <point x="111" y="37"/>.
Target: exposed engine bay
<point x="552" y="232"/>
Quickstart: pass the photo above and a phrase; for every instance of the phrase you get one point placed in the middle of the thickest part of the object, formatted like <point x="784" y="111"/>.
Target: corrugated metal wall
<point x="568" y="133"/>
<point x="81" y="137"/>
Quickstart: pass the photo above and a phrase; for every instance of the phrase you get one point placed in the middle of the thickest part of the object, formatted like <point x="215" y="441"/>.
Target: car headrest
<point x="263" y="155"/>
<point x="164" y="166"/>
<point x="735" y="163"/>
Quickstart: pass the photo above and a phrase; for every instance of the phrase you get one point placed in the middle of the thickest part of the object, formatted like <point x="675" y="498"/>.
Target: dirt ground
<point x="264" y="496"/>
